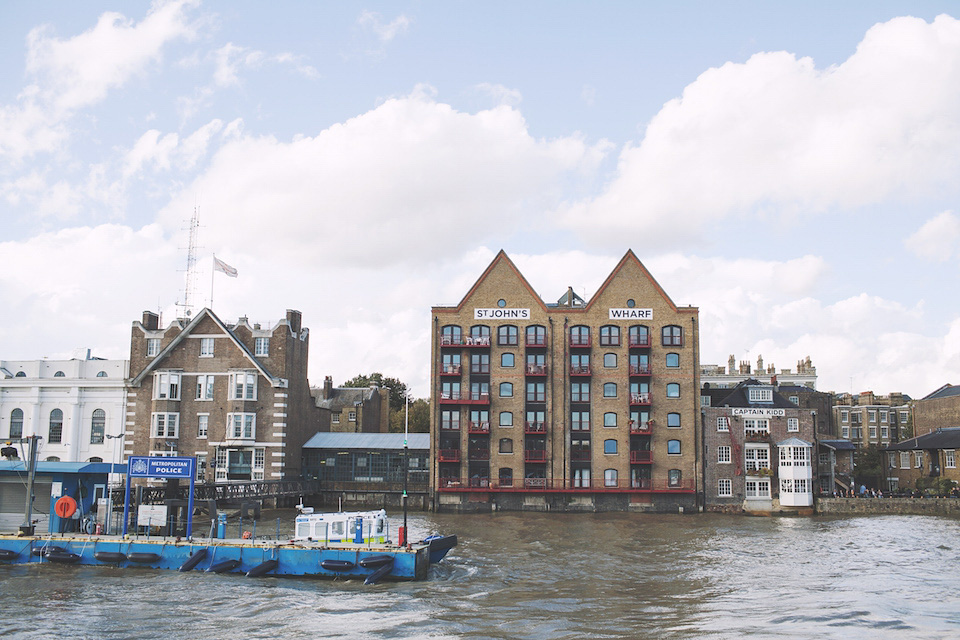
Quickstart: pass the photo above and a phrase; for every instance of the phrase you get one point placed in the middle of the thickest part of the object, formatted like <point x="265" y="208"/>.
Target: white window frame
<point x="204" y="387"/>
<point x="261" y="347"/>
<point x="755" y="394"/>
<point x="724" y="488"/>
<point x="352" y="416"/>
<point x="259" y="462"/>
<point x="723" y="423"/>
<point x="845" y="432"/>
<point x="153" y="347"/>
<point x="950" y="458"/>
<point x="241" y="426"/>
<point x="904" y="459"/>
<point x="335" y="417"/>
<point x="884" y="432"/>
<point x="201" y="466"/>
<point x="724" y="454"/>
<point x="243" y="385"/>
<point x="167" y="385"/>
<point x="844" y="416"/>
<point x="793" y="424"/>
<point x="203" y="425"/>
<point x="222" y="462"/>
<point x="756" y="457"/>
<point x="757" y="489"/>
<point x="918" y="459"/>
<point x="168" y="422"/>
<point x="756" y="425"/>
<point x="872" y="416"/>
<point x="206" y="347"/>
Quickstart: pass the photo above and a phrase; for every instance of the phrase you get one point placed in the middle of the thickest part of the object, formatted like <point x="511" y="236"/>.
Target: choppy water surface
<point x="548" y="576"/>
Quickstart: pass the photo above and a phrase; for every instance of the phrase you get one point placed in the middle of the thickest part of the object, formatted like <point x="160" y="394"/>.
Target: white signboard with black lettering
<point x="501" y="314"/>
<point x="631" y="314"/>
<point x="750" y="412"/>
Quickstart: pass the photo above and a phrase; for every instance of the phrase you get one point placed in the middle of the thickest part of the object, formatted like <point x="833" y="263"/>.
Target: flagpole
<point x="406" y="461"/>
<point x="213" y="270"/>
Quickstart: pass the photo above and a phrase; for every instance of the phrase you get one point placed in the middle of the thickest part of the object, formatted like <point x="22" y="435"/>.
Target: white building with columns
<point x="73" y="405"/>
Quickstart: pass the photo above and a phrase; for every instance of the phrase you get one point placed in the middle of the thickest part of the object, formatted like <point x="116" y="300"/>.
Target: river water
<point x="546" y="576"/>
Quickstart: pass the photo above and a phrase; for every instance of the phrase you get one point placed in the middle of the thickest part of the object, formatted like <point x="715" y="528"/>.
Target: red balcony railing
<point x="580" y="370"/>
<point x="478" y="483"/>
<point x="450" y="397"/>
<point x="534" y="483"/>
<point x="450" y="370"/>
<point x="535" y="427"/>
<point x="536" y="369"/>
<point x="640" y="370"/>
<point x="476" y="341"/>
<point x="639" y="399"/>
<point x="580" y="455"/>
<point x="639" y="340"/>
<point x="536" y="340"/>
<point x="579" y="341"/>
<point x="478" y="427"/>
<point x="572" y="485"/>
<point x="506" y="483"/>
<point x="641" y="457"/>
<point x="464" y="397"/>
<point x="478" y="453"/>
<point x="534" y="455"/>
<point x="641" y="428"/>
<point x="451" y="341"/>
<point x="448" y="455"/>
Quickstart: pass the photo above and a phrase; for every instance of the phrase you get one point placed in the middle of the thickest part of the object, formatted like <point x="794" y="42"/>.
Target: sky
<point x="789" y="168"/>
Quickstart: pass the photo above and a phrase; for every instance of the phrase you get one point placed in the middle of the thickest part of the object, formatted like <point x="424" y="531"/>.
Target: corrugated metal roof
<point x="839" y="445"/>
<point x="367" y="441"/>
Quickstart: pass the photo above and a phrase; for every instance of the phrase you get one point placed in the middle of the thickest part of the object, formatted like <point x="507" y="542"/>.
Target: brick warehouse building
<point x="235" y="396"/>
<point x="577" y="405"/>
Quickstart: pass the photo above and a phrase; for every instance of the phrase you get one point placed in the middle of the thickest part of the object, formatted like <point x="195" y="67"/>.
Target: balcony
<point x="641" y="341"/>
<point x="581" y="455"/>
<point x="757" y="436"/>
<point x="534" y="483"/>
<point x="639" y="399"/>
<point x="463" y="397"/>
<point x="536" y="340"/>
<point x="579" y="342"/>
<point x="478" y="453"/>
<point x="638" y="485"/>
<point x="640" y="370"/>
<point x="534" y="455"/>
<point x="478" y="427"/>
<point x="536" y="369"/>
<point x="641" y="428"/>
<point x="478" y="483"/>
<point x="535" y="428"/>
<point x="464" y="341"/>
<point x="450" y="369"/>
<point x="641" y="457"/>
<point x="448" y="455"/>
<point x="580" y="370"/>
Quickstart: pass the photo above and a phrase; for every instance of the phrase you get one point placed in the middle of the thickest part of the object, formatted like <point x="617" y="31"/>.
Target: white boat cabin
<point x="341" y="526"/>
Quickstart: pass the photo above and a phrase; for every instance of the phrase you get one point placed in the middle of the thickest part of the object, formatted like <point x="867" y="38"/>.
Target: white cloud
<point x="166" y="151"/>
<point x="229" y="59"/>
<point x="776" y="132"/>
<point x="385" y="32"/>
<point x="500" y="94"/>
<point x="937" y="240"/>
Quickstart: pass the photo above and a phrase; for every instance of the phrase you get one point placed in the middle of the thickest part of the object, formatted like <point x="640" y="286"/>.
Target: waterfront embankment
<point x="889" y="506"/>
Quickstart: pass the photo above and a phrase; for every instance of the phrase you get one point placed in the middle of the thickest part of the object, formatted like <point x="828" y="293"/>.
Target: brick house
<point x="936" y="409"/>
<point x="929" y="456"/>
<point x="352" y="409"/>
<point x="574" y="405"/>
<point x="235" y="396"/>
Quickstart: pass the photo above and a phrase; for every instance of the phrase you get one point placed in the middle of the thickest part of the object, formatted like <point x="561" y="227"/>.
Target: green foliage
<point x="936" y="486"/>
<point x="398" y="390"/>
<point x="419" y="418"/>
<point x="869" y="465"/>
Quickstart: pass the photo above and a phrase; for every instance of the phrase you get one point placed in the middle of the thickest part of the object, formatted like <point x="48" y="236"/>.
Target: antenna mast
<point x="187" y="304"/>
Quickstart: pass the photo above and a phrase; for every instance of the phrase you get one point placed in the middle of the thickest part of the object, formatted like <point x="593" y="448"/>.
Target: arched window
<point x="610" y="336"/>
<point x="506" y="419"/>
<point x="52" y="459"/>
<point x="580" y="336"/>
<point x="610" y="360"/>
<point x="101" y="374"/>
<point x="506" y="445"/>
<point x="672" y="335"/>
<point x="97" y="426"/>
<point x="610" y="419"/>
<point x="536" y="336"/>
<point x="59" y="374"/>
<point x="95" y="459"/>
<point x="673" y="360"/>
<point x="673" y="420"/>
<point x="673" y="477"/>
<point x="673" y="447"/>
<point x="610" y="446"/>
<point x="451" y="334"/>
<point x="639" y="336"/>
<point x="20" y="374"/>
<point x="506" y="389"/>
<point x="55" y="435"/>
<point x="609" y="477"/>
<point x="507" y="359"/>
<point x="673" y="390"/>
<point x="610" y="390"/>
<point x="507" y="335"/>
<point x="16" y="423"/>
<point x="480" y="334"/>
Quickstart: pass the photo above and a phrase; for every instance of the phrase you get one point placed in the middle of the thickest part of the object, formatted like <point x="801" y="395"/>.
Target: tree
<point x="398" y="390"/>
<point x="419" y="417"/>
<point x="869" y="465"/>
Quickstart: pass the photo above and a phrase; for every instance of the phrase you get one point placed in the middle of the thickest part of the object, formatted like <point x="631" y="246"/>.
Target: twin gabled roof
<point x="206" y="313"/>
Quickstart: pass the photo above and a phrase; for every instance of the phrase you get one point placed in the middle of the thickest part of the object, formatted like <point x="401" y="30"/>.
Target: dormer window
<point x="760" y="395"/>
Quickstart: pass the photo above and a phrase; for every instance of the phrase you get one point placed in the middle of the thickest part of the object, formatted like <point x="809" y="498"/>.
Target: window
<point x="610" y="360"/>
<point x="723" y="423"/>
<point x="479" y="335"/>
<point x="261" y="347"/>
<point x="610" y="390"/>
<point x="536" y="336"/>
<point x="610" y="336"/>
<point x="673" y="420"/>
<point x="335" y="417"/>
<point x="451" y="335"/>
<point x="704" y="401"/>
<point x="536" y="418"/>
<point x="756" y="458"/>
<point x="757" y="489"/>
<point x="98" y="425"/>
<point x="579" y="363"/>
<point x="873" y="432"/>
<point x="451" y="363"/>
<point x="760" y="395"/>
<point x="950" y="459"/>
<point x="506" y="445"/>
<point x="351" y="416"/>
<point x="203" y="421"/>
<point x="756" y="426"/>
<point x="610" y="419"/>
<point x="580" y="336"/>
<point x="844" y="432"/>
<point x="724" y="488"/>
<point x="580" y="392"/>
<point x="201" y="466"/>
<point x="581" y="477"/>
<point x="580" y="420"/>
<point x="918" y="459"/>
<point x="166" y="385"/>
<point x="674" y="477"/>
<point x="673" y="390"/>
<point x="904" y="416"/>
<point x="259" y="458"/>
<point x="55" y="435"/>
<point x="673" y="360"/>
<point x="506" y="389"/>
<point x="101" y="374"/>
<point x="506" y="419"/>
<point x="672" y="336"/>
<point x="673" y="447"/>
<point x="507" y="359"/>
<point x="204" y="387"/>
<point x="904" y="459"/>
<point x="59" y="374"/>
<point x="723" y="455"/>
<point x="243" y="385"/>
<point x="95" y="459"/>
<point x="165" y="425"/>
<point x="794" y="457"/>
<point x="537" y="391"/>
<point x="206" y="347"/>
<point x="844" y="416"/>
<point x="610" y="446"/>
<point x="507" y="335"/>
<point x="153" y="347"/>
<point x="16" y="423"/>
<point x="609" y="477"/>
<point x="795" y="400"/>
<point x="639" y="363"/>
<point x="20" y="374"/>
<point x="536" y="364"/>
<point x="480" y="363"/>
<point x="241" y="426"/>
<point x="872" y="416"/>
<point x="639" y="336"/>
<point x="793" y="424"/>
<point x="449" y="419"/>
<point x="884" y="432"/>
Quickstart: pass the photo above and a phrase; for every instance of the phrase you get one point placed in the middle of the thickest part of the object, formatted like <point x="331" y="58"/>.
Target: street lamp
<point x="113" y="461"/>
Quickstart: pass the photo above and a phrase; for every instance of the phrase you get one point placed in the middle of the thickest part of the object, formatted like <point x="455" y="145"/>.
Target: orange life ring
<point x="65" y="507"/>
<point x="247" y="535"/>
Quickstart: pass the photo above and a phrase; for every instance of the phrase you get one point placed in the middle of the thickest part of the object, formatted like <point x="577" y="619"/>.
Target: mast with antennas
<point x="186" y="307"/>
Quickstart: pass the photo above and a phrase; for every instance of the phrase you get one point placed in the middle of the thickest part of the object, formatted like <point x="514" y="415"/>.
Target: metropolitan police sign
<point x="144" y="467"/>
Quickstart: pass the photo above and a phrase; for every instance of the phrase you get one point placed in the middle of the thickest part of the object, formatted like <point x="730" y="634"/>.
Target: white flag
<point x="223" y="267"/>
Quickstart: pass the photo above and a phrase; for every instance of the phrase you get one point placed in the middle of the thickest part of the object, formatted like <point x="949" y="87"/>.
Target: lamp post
<point x="113" y="461"/>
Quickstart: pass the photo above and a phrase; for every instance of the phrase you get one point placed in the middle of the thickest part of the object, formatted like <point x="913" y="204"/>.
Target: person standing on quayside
<point x="863" y="491"/>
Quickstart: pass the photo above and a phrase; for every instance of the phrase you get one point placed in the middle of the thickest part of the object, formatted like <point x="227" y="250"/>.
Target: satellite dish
<point x="189" y="312"/>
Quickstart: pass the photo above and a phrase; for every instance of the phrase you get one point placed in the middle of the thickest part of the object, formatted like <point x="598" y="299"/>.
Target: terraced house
<point x="235" y="396"/>
<point x="574" y="405"/>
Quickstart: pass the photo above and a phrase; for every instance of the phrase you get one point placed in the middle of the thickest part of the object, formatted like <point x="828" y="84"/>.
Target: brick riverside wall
<point x="888" y="506"/>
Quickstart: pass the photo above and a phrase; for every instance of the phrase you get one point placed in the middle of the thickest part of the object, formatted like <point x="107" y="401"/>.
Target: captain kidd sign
<point x="501" y="314"/>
